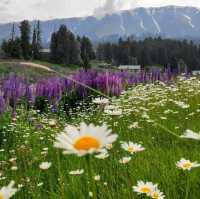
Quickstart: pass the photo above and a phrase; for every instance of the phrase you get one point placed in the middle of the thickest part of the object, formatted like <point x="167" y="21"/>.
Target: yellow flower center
<point x="131" y="149"/>
<point x="145" y="190"/>
<point x="155" y="195"/>
<point x="1" y="196"/>
<point x="187" y="165"/>
<point x="86" y="143"/>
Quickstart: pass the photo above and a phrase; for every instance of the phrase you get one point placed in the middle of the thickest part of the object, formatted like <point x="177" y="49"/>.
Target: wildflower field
<point x="139" y="140"/>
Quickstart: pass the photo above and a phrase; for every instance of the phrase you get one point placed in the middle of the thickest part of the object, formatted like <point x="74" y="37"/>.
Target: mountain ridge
<point x="167" y="21"/>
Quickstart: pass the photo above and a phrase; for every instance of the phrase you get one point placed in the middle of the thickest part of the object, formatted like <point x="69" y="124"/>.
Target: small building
<point x="134" y="68"/>
<point x="104" y="65"/>
<point x="196" y="72"/>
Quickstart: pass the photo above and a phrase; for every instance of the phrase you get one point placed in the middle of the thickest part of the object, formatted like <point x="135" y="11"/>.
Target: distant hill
<point x="168" y="22"/>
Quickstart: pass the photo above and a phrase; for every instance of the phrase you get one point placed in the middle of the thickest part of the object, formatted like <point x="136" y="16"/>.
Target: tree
<point x="34" y="45"/>
<point x="74" y="50"/>
<point x="151" y="51"/>
<point x="38" y="40"/>
<point x="12" y="47"/>
<point x="87" y="52"/>
<point x="13" y="32"/>
<point x="25" y="39"/>
<point x="16" y="48"/>
<point x="53" y="48"/>
<point x="64" y="47"/>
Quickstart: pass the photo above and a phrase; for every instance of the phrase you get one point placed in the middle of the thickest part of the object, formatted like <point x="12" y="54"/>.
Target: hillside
<point x="170" y="21"/>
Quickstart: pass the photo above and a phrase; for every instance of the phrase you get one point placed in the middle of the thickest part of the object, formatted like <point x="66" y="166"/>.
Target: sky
<point x="16" y="10"/>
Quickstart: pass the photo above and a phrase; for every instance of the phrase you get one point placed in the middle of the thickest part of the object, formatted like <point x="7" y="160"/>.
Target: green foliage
<point x="28" y="140"/>
<point x="64" y="47"/>
<point x="25" y="39"/>
<point x="12" y="48"/>
<point x="36" y="42"/>
<point x="151" y="51"/>
<point x="87" y="52"/>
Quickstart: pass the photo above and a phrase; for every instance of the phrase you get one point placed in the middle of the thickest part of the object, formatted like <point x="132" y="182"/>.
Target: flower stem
<point x="91" y="177"/>
<point x="187" y="187"/>
<point x="167" y="130"/>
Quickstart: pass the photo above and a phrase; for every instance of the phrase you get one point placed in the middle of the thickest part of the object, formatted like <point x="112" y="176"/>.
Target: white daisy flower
<point x="191" y="135"/>
<point x="109" y="146"/>
<point x="102" y="101"/>
<point x="125" y="160"/>
<point x="132" y="147"/>
<point x="52" y="123"/>
<point x="8" y="191"/>
<point x="13" y="168"/>
<point x="187" y="164"/>
<point x="182" y="104"/>
<point x="102" y="155"/>
<point x="112" y="110"/>
<point x="97" y="177"/>
<point x="45" y="165"/>
<point x="77" y="172"/>
<point x="135" y="125"/>
<point x="85" y="139"/>
<point x="157" y="194"/>
<point x="145" y="188"/>
<point x="90" y="194"/>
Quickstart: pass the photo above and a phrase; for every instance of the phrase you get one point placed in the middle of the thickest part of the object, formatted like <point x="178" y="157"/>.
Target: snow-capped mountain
<point x="170" y="21"/>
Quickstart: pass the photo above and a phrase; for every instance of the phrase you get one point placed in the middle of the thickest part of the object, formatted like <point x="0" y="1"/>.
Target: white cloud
<point x="15" y="10"/>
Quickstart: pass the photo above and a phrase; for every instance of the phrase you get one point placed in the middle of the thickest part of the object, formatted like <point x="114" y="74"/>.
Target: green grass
<point x="59" y="67"/>
<point x="159" y="133"/>
<point x="31" y="73"/>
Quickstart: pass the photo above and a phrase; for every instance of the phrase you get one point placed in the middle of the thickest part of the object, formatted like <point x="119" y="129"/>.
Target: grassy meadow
<point x="152" y="115"/>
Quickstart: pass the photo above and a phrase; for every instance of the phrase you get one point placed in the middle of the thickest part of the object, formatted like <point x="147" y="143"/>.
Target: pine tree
<point x="53" y="47"/>
<point x="25" y="39"/>
<point x="13" y="32"/>
<point x="74" y="50"/>
<point x="39" y="40"/>
<point x="34" y="44"/>
<point x="87" y="52"/>
<point x="64" y="47"/>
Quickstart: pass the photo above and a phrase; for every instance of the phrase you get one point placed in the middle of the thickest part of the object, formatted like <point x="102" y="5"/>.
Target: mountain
<point x="168" y="22"/>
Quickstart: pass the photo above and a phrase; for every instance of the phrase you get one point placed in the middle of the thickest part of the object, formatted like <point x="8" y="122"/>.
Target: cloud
<point x="111" y="6"/>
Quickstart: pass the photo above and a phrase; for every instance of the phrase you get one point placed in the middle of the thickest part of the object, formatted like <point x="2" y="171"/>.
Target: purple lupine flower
<point x="13" y="89"/>
<point x="2" y="105"/>
<point x="30" y="93"/>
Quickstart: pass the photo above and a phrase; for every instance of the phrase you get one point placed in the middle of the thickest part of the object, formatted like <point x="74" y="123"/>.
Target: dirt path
<point x="30" y="64"/>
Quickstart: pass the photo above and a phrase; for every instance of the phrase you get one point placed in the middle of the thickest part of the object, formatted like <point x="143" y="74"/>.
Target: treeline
<point x="25" y="46"/>
<point x="67" y="49"/>
<point x="151" y="51"/>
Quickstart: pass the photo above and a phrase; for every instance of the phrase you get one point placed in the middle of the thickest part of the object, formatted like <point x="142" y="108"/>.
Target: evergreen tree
<point x="25" y="39"/>
<point x="16" y="48"/>
<point x="74" y="50"/>
<point x="87" y="52"/>
<point x="39" y="40"/>
<point x="12" y="47"/>
<point x="34" y="45"/>
<point x="53" y="48"/>
<point x="151" y="51"/>
<point x="64" y="47"/>
<point x="13" y="32"/>
<point x="4" y="47"/>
